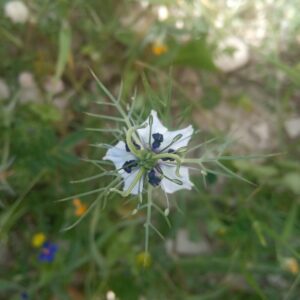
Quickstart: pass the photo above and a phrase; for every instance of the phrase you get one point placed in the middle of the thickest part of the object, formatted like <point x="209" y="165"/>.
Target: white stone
<point x="26" y="80"/>
<point x="54" y="86"/>
<point x="184" y="246"/>
<point x="262" y="131"/>
<point x="29" y="91"/>
<point x="17" y="11"/>
<point x="292" y="127"/>
<point x="232" y="54"/>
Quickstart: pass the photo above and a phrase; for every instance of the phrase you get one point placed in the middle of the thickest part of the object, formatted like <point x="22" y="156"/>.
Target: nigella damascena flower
<point x="151" y="154"/>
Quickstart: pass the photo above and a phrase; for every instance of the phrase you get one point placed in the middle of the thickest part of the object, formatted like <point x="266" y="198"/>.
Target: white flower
<point x="17" y="11"/>
<point x="151" y="157"/>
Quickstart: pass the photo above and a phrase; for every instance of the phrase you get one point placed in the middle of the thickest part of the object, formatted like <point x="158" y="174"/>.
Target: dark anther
<point x="128" y="165"/>
<point x="153" y="178"/>
<point x="158" y="139"/>
<point x="138" y="147"/>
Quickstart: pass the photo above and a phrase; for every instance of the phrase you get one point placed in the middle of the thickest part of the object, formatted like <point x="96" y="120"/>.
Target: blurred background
<point x="233" y="67"/>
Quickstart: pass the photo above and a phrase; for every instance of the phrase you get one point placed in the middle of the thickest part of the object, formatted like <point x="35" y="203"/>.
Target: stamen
<point x="158" y="139"/>
<point x="175" y="139"/>
<point x="174" y="180"/>
<point x="153" y="178"/>
<point x="128" y="165"/>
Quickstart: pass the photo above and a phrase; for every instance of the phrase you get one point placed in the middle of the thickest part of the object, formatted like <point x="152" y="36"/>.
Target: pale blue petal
<point x="118" y="155"/>
<point x="157" y="127"/>
<point x="186" y="133"/>
<point x="129" y="178"/>
<point x="170" y="172"/>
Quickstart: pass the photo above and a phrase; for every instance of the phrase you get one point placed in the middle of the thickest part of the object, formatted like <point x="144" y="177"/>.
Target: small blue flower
<point x="48" y="252"/>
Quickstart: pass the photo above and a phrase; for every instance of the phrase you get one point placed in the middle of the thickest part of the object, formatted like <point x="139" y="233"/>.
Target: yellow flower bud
<point x="38" y="240"/>
<point x="143" y="259"/>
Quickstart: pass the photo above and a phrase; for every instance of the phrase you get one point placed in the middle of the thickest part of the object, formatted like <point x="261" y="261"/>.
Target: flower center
<point x="147" y="160"/>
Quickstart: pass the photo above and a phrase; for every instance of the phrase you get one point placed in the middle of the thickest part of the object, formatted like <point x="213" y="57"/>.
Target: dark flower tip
<point x="153" y="178"/>
<point x="158" y="139"/>
<point x="128" y="165"/>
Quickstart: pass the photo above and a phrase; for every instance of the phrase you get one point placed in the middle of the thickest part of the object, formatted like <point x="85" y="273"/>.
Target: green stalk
<point x="148" y="218"/>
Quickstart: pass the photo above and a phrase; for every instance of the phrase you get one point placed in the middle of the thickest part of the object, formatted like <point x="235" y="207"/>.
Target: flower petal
<point x="118" y="155"/>
<point x="186" y="133"/>
<point x="129" y="178"/>
<point x="170" y="172"/>
<point x="157" y="127"/>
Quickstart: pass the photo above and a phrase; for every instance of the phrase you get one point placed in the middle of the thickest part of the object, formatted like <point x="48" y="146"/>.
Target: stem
<point x="191" y="160"/>
<point x="112" y="98"/>
<point x="92" y="237"/>
<point x="148" y="220"/>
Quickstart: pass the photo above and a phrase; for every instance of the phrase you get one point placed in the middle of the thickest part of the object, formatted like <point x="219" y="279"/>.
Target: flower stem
<point x="148" y="218"/>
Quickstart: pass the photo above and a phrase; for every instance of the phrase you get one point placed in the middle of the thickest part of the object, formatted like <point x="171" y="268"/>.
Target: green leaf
<point x="46" y="112"/>
<point x="290" y="222"/>
<point x="72" y="139"/>
<point x="195" y="54"/>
